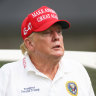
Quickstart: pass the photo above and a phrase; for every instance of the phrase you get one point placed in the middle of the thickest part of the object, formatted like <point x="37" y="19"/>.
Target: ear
<point x="29" y="44"/>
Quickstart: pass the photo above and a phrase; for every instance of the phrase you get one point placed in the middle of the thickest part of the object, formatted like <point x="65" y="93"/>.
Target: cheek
<point x="42" y="44"/>
<point x="62" y="41"/>
<point x="45" y="41"/>
<point x="62" y="44"/>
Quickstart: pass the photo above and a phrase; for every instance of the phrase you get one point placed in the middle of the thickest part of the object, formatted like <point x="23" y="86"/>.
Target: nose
<point x="55" y="36"/>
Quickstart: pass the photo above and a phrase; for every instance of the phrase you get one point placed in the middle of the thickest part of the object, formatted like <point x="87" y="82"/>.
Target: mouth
<point x="57" y="47"/>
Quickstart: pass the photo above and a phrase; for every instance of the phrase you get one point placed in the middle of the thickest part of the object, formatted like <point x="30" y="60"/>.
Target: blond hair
<point x="23" y="48"/>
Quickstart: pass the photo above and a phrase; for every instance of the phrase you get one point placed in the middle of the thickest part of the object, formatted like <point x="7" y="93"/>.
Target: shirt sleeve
<point x="88" y="81"/>
<point x="91" y="92"/>
<point x="3" y="81"/>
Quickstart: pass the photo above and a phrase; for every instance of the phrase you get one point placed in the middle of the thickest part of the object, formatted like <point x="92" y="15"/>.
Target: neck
<point x="47" y="66"/>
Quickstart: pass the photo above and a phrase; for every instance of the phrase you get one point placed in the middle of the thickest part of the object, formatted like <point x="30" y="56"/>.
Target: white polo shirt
<point x="21" y="78"/>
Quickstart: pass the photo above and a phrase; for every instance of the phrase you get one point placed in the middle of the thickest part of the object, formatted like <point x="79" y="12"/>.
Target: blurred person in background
<point x="43" y="71"/>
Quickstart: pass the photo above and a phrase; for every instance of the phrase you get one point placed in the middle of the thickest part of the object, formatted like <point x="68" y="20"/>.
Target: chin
<point x="59" y="54"/>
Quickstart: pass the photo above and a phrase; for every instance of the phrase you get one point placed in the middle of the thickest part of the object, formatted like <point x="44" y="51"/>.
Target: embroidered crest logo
<point x="72" y="88"/>
<point x="26" y="29"/>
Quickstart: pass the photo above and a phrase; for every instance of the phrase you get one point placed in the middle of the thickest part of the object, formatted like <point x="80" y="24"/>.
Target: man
<point x="43" y="71"/>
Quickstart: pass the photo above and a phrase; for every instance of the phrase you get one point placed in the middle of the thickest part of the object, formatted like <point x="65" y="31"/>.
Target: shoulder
<point x="10" y="70"/>
<point x="73" y="66"/>
<point x="11" y="66"/>
<point x="71" y="62"/>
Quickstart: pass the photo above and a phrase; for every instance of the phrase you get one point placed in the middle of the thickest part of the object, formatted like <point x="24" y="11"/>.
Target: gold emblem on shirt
<point x="72" y="88"/>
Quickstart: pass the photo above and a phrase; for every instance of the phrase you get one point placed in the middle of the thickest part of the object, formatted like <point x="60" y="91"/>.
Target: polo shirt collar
<point x="31" y="68"/>
<point x="29" y="65"/>
<point x="63" y="66"/>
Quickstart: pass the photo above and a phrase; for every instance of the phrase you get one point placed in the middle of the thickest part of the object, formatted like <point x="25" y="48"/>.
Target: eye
<point x="59" y="31"/>
<point x="46" y="32"/>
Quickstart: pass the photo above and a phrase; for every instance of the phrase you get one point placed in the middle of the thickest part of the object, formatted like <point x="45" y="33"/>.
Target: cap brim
<point x="64" y="24"/>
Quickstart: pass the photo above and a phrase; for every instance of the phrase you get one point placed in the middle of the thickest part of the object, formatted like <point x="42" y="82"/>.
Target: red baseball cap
<point x="41" y="20"/>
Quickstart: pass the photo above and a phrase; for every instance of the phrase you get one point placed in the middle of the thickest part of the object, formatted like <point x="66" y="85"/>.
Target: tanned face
<point x="48" y="42"/>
